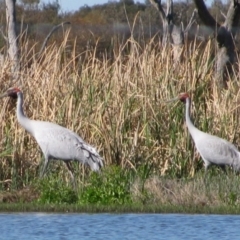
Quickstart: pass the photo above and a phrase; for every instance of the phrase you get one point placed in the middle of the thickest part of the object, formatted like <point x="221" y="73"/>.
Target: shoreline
<point x="75" y="208"/>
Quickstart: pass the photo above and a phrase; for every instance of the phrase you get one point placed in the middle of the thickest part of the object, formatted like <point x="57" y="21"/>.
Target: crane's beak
<point x="172" y="100"/>
<point x="4" y="95"/>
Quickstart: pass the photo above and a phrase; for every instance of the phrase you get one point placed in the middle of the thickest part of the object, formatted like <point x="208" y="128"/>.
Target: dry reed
<point x="117" y="105"/>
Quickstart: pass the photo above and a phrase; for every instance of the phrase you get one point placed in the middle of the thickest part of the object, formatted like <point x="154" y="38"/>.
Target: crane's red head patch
<point x="12" y="92"/>
<point x="183" y="96"/>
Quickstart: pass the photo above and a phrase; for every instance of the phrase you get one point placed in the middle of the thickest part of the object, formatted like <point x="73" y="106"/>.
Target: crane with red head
<point x="213" y="150"/>
<point x="55" y="141"/>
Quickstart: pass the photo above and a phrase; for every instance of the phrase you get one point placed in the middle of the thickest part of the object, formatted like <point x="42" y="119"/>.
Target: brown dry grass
<point x="117" y="106"/>
<point x="25" y="195"/>
<point x="219" y="190"/>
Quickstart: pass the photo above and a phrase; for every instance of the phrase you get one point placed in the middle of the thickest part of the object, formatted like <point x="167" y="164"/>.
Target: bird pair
<point x="57" y="142"/>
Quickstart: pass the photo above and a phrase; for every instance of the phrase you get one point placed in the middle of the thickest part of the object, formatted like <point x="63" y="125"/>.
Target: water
<point x="33" y="226"/>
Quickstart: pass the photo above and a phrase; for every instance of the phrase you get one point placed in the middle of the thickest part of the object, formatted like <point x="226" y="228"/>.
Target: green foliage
<point x="54" y="190"/>
<point x="143" y="173"/>
<point x="233" y="197"/>
<point x="110" y="187"/>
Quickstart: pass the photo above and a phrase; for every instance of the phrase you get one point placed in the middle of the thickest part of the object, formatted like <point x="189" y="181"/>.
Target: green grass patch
<point x="119" y="190"/>
<point x="115" y="208"/>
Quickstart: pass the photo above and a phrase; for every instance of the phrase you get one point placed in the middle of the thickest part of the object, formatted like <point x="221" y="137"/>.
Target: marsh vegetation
<point x="117" y="104"/>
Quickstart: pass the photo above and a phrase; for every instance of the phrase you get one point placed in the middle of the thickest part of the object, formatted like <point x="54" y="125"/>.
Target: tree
<point x="172" y="33"/>
<point x="12" y="38"/>
<point x="224" y="34"/>
<point x="30" y="4"/>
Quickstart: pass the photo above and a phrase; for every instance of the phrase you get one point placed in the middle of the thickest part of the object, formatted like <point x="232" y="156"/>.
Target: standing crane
<point x="213" y="150"/>
<point x="55" y="141"/>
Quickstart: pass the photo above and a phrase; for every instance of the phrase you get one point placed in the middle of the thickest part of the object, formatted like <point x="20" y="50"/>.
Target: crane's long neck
<point x="22" y="119"/>
<point x="189" y="123"/>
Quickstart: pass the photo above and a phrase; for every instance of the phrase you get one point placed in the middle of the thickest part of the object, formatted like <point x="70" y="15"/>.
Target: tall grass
<point x="117" y="105"/>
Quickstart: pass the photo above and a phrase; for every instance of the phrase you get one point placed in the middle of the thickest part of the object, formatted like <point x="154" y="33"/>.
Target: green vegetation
<point x="212" y="193"/>
<point x="112" y="186"/>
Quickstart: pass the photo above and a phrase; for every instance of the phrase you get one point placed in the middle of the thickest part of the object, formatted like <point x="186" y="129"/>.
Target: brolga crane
<point x="55" y="141"/>
<point x="213" y="150"/>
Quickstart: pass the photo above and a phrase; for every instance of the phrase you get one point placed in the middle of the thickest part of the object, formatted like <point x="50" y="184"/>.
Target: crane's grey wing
<point x="93" y="159"/>
<point x="61" y="143"/>
<point x="217" y="150"/>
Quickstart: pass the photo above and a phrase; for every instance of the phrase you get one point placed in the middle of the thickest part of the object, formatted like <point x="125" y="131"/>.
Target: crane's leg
<point x="223" y="167"/>
<point x="206" y="165"/>
<point x="46" y="161"/>
<point x="70" y="169"/>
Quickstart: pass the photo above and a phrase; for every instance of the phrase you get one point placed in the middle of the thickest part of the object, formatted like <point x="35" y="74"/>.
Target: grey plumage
<point x="55" y="141"/>
<point x="213" y="150"/>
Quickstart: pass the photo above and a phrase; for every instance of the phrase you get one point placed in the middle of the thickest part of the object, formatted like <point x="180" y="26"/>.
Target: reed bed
<point x="118" y="106"/>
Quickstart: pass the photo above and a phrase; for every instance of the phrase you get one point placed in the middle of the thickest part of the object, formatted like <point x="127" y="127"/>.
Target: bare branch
<point x="191" y="21"/>
<point x="50" y="34"/>
<point x="233" y="16"/>
<point x="13" y="50"/>
<point x="169" y="14"/>
<point x="3" y="35"/>
<point x="204" y="14"/>
<point x="226" y="56"/>
<point x="223" y="15"/>
<point x="158" y="5"/>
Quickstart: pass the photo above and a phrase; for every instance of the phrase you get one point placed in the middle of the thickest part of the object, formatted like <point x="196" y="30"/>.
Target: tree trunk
<point x="13" y="50"/>
<point x="226" y="54"/>
<point x="172" y="34"/>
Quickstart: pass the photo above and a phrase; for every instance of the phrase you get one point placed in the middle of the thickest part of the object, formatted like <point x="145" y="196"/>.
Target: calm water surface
<point x="32" y="226"/>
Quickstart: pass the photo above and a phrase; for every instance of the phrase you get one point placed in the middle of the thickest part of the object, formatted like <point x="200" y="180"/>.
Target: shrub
<point x="54" y="190"/>
<point x="112" y="186"/>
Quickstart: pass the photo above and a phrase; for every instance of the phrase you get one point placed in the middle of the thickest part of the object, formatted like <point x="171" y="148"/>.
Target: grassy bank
<point x="117" y="105"/>
<point x="134" y="208"/>
<point x="117" y="190"/>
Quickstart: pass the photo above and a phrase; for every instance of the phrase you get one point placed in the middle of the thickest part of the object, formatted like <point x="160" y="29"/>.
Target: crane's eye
<point x="13" y="95"/>
<point x="183" y="100"/>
